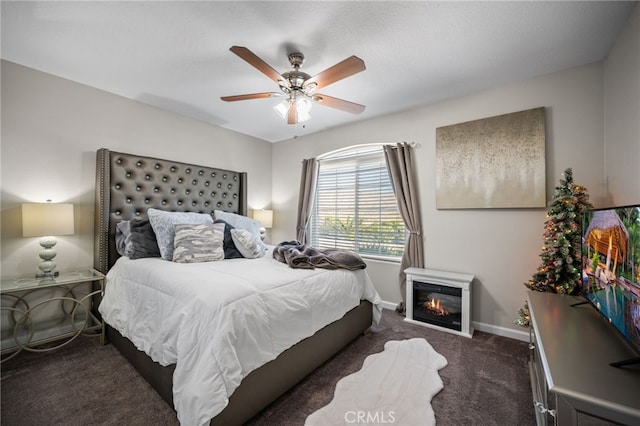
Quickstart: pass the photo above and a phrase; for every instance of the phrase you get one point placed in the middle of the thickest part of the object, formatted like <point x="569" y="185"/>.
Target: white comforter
<point x="218" y="321"/>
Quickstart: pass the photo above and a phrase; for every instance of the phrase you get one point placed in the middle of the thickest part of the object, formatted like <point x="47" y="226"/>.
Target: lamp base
<point x="47" y="254"/>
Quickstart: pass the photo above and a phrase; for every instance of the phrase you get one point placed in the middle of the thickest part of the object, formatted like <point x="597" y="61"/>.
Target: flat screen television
<point x="611" y="269"/>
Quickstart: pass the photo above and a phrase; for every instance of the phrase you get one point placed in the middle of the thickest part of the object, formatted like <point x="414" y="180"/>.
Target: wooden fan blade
<point x="258" y="63"/>
<point x="340" y="104"/>
<point x="292" y="114"/>
<point x="351" y="65"/>
<point x="250" y="96"/>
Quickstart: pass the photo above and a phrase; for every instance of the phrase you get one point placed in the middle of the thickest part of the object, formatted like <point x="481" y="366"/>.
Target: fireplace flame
<point x="435" y="306"/>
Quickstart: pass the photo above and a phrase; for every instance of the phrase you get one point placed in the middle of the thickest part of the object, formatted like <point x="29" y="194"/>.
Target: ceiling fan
<point x="299" y="87"/>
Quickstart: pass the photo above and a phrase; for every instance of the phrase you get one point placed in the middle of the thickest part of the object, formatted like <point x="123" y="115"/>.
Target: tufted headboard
<point x="127" y="185"/>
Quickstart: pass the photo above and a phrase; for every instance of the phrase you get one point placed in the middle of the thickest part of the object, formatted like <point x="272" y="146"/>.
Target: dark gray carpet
<point x="485" y="383"/>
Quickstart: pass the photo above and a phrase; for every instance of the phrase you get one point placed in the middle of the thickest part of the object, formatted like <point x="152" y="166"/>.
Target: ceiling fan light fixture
<point x="302" y="105"/>
<point x="282" y="108"/>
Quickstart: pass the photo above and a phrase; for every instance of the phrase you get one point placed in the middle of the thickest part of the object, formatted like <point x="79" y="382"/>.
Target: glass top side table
<point x="45" y="310"/>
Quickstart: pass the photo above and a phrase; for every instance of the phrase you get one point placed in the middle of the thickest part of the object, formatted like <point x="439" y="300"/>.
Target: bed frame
<point x="126" y="186"/>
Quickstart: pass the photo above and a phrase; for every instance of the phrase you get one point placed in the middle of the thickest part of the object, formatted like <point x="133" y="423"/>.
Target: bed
<point x="127" y="186"/>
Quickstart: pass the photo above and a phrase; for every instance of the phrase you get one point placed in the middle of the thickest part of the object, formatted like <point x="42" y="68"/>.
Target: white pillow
<point x="241" y="222"/>
<point x="246" y="243"/>
<point x="163" y="224"/>
<point x="198" y="243"/>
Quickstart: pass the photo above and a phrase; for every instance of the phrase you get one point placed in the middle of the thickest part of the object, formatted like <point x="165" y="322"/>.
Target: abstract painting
<point x="495" y="162"/>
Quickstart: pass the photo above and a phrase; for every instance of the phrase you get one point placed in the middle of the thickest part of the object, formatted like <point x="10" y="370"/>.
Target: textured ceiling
<point x="175" y="55"/>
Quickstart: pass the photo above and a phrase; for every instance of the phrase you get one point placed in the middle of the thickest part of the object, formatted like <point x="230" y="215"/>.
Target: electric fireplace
<point x="439" y="299"/>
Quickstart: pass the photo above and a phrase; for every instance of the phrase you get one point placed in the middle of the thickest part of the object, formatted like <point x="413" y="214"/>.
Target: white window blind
<point x="355" y="208"/>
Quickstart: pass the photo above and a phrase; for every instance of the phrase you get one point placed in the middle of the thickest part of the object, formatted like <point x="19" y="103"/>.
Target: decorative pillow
<point x="163" y="224"/>
<point x="143" y="241"/>
<point x="230" y="249"/>
<point x="247" y="244"/>
<point x="198" y="243"/>
<point x="135" y="239"/>
<point x="123" y="236"/>
<point x="241" y="222"/>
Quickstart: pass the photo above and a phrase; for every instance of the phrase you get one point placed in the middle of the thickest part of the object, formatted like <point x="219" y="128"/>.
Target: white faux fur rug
<point x="394" y="386"/>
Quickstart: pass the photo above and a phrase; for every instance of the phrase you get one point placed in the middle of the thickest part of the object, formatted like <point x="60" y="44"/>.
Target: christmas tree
<point x="561" y="267"/>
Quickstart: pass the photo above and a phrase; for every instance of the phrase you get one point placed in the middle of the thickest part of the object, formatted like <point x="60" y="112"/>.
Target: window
<point x="355" y="207"/>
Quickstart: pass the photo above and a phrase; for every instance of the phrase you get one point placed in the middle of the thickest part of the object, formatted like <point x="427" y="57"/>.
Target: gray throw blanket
<point x="301" y="256"/>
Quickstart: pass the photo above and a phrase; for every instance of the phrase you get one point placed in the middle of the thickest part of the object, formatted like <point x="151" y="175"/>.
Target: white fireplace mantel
<point x="445" y="278"/>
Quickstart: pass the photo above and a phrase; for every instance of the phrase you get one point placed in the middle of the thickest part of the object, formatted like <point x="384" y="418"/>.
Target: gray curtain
<point x="402" y="176"/>
<point x="305" y="200"/>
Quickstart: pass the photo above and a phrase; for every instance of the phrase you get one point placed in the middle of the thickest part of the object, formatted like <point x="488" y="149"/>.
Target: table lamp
<point x="265" y="217"/>
<point x="47" y="220"/>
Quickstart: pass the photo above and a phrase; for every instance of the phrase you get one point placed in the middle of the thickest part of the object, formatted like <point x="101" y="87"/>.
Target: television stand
<point x="624" y="363"/>
<point x="572" y="348"/>
<point x="582" y="302"/>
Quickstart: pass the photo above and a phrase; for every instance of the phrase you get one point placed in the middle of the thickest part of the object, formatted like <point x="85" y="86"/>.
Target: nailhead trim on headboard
<point x="127" y="185"/>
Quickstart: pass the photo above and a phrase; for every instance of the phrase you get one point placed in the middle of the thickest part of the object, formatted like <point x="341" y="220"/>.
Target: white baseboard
<point x="389" y="305"/>
<point x="522" y="335"/>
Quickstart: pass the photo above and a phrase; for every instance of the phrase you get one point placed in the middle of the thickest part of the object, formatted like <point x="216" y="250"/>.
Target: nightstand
<point x="39" y="311"/>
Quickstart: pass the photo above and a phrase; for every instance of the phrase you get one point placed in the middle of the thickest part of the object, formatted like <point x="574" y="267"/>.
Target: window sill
<point x="381" y="258"/>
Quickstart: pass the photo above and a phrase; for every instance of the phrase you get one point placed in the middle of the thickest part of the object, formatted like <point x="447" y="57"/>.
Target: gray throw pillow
<point x="241" y="222"/>
<point x="123" y="236"/>
<point x="198" y="243"/>
<point x="135" y="239"/>
<point x="230" y="249"/>
<point x="247" y="243"/>
<point x="142" y="241"/>
<point x="163" y="224"/>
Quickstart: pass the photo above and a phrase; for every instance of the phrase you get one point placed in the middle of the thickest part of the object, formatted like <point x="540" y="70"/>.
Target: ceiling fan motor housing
<point x="296" y="79"/>
<point x="296" y="59"/>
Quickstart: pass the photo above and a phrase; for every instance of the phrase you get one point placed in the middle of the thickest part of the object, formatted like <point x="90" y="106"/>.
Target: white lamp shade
<point x="47" y="219"/>
<point x="282" y="108"/>
<point x="302" y="106"/>
<point x="265" y="217"/>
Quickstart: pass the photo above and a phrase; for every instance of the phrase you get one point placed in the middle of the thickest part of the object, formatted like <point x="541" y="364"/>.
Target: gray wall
<point x="584" y="107"/>
<point x="51" y="129"/>
<point x="622" y="115"/>
<point x="499" y="247"/>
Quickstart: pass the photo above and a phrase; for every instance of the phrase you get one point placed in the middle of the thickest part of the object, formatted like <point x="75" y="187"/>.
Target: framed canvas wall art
<point x="495" y="162"/>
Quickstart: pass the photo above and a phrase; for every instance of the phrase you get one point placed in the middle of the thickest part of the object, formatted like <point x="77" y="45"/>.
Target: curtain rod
<point x="412" y="144"/>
